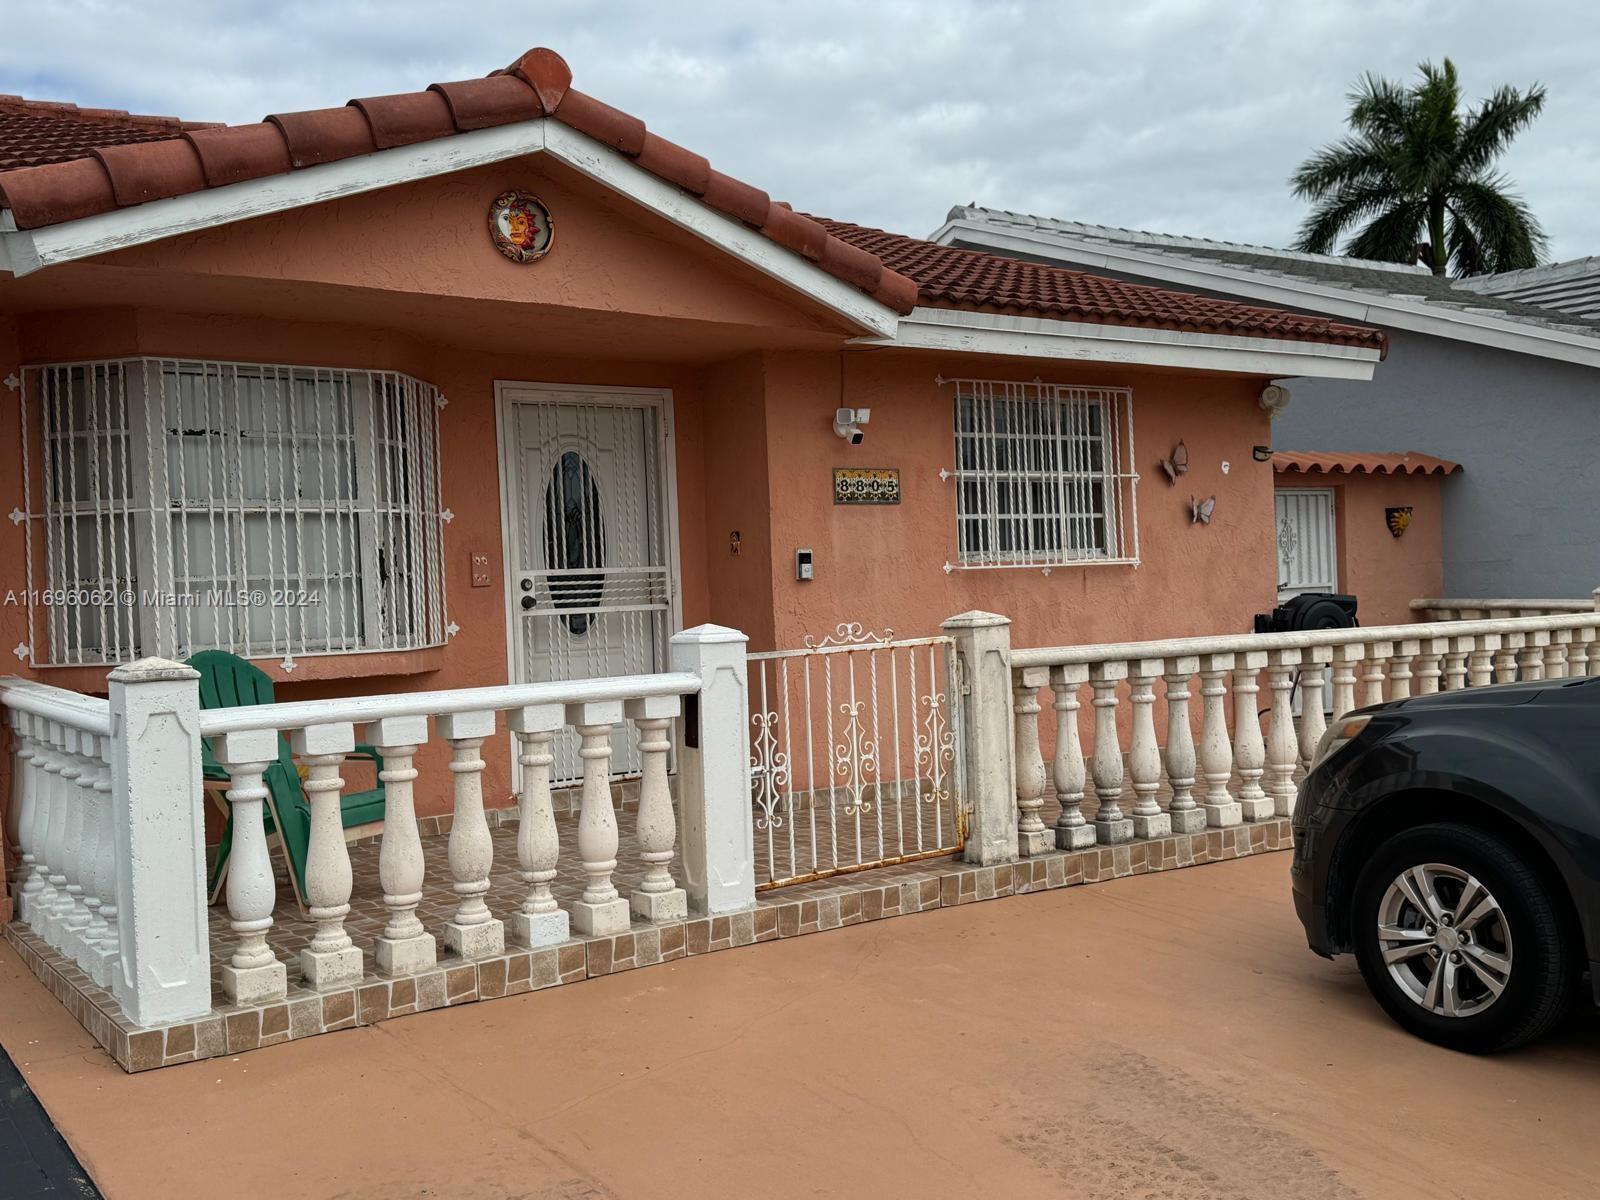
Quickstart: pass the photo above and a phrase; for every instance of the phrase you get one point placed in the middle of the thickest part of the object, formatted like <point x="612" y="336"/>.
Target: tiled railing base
<point x="785" y="912"/>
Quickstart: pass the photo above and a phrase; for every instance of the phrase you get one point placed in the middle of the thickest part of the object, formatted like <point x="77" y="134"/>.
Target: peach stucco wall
<point x="1384" y="573"/>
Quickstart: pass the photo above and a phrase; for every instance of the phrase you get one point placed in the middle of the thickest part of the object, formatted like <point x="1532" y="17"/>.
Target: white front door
<point x="592" y="568"/>
<point x="1308" y="554"/>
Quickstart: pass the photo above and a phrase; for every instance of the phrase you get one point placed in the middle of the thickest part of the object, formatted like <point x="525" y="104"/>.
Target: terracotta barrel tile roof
<point x="59" y="163"/>
<point x="948" y="276"/>
<point x="1409" y="463"/>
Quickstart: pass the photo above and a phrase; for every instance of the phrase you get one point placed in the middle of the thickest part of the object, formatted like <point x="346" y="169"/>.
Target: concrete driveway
<point x="1162" y="1036"/>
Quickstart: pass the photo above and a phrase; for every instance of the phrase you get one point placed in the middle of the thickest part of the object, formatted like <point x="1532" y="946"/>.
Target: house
<point x="487" y="382"/>
<point x="1491" y="373"/>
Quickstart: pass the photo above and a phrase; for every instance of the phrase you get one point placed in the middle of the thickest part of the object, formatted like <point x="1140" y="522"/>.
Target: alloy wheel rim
<point x="1445" y="940"/>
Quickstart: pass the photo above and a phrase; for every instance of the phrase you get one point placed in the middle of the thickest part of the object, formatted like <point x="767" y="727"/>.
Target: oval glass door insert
<point x="574" y="541"/>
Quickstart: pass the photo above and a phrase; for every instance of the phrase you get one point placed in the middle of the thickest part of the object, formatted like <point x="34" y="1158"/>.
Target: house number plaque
<point x="866" y="485"/>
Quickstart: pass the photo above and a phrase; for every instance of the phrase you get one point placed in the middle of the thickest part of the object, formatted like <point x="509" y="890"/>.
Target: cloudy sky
<point x="1182" y="117"/>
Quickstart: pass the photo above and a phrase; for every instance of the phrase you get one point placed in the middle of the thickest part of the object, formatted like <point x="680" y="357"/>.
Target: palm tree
<point x="1416" y="174"/>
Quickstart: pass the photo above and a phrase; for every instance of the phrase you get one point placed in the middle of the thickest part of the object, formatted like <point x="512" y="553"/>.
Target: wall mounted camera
<point x="847" y="423"/>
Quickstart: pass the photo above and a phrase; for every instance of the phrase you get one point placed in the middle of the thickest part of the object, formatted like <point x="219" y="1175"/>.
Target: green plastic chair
<point x="227" y="681"/>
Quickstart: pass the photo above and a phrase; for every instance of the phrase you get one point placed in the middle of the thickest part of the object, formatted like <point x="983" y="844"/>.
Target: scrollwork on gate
<point x="854" y="758"/>
<point x="769" y="767"/>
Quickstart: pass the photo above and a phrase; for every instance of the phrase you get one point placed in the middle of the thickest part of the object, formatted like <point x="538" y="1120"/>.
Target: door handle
<point x="527" y="603"/>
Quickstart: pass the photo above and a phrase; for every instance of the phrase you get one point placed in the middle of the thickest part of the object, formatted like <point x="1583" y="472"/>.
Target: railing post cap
<point x="976" y="619"/>
<point x="709" y="634"/>
<point x="152" y="670"/>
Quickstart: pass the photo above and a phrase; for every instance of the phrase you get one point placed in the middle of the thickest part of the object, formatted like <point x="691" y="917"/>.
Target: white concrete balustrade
<point x="106" y="815"/>
<point x="1251" y="745"/>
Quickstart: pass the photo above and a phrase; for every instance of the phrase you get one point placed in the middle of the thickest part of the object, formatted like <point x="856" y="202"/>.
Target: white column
<point x="164" y="958"/>
<point x="1345" y="660"/>
<point x="1186" y="816"/>
<point x="1110" y="826"/>
<point x="473" y="932"/>
<point x="332" y="959"/>
<point x="253" y="975"/>
<point x="1144" y="752"/>
<point x="719" y="857"/>
<point x="1313" y="710"/>
<point x="1216" y="752"/>
<point x="1430" y="664"/>
<point x="983" y="650"/>
<point x="601" y="910"/>
<point x="1068" y="771"/>
<point x="1032" y="837"/>
<point x="658" y="897"/>
<point x="1400" y="669"/>
<point x="540" y="921"/>
<point x="1283" y="746"/>
<point x="1372" y="679"/>
<point x="404" y="947"/>
<point x="1249" y="750"/>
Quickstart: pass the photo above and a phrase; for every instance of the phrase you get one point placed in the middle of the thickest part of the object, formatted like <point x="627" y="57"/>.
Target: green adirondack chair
<point x="227" y="681"/>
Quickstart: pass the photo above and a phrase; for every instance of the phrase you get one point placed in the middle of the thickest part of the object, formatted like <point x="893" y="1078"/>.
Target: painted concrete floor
<point x="1160" y="1036"/>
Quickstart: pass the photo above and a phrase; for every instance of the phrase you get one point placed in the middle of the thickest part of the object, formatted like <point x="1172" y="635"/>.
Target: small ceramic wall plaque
<point x="1398" y="519"/>
<point x="866" y="485"/>
<point x="521" y="227"/>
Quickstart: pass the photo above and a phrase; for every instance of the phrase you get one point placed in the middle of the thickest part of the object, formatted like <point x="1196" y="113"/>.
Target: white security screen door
<point x="1308" y="556"/>
<point x="592" y="568"/>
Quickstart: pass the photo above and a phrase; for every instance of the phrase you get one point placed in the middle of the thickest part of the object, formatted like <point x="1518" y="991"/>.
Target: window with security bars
<point x="182" y="505"/>
<point x="1043" y="475"/>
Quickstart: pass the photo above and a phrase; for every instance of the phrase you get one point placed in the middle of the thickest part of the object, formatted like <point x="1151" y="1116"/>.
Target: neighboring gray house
<point x="1500" y="373"/>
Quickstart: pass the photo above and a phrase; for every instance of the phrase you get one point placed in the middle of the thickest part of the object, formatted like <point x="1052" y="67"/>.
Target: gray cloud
<point x="1183" y="117"/>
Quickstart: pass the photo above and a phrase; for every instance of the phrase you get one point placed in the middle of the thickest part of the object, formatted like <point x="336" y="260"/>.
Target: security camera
<point x="847" y="423"/>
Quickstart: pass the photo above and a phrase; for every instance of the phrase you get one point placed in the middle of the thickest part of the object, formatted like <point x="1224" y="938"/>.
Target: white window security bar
<point x="1044" y="475"/>
<point x="177" y="505"/>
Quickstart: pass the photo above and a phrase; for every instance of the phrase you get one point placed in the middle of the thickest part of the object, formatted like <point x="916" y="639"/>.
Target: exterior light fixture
<point x="1261" y="453"/>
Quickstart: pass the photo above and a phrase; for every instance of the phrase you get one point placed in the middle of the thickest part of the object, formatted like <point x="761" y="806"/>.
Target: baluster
<point x="79" y="771"/>
<point x="601" y="910"/>
<point x="1377" y="653"/>
<point x="1216" y="752"/>
<point x="253" y="974"/>
<point x="404" y="947"/>
<point x="331" y="960"/>
<point x="658" y="897"/>
<point x="1185" y="815"/>
<point x="1400" y="668"/>
<point x="20" y="815"/>
<point x="1345" y="659"/>
<point x="1032" y="837"/>
<point x="36" y="890"/>
<point x="1144" y="752"/>
<point x="1505" y="659"/>
<point x="1578" y="660"/>
<point x="1110" y="826"/>
<point x="1313" y="712"/>
<point x="1430" y="664"/>
<point x="540" y="921"/>
<point x="1555" y="655"/>
<point x="1249" y="750"/>
<point x="96" y="785"/>
<point x="473" y="932"/>
<point x="1455" y="663"/>
<point x="1480" y="659"/>
<point x="55" y="899"/>
<point x="1072" y="831"/>
<point x="1530" y="659"/>
<point x="1283" y="747"/>
<point x="104" y="934"/>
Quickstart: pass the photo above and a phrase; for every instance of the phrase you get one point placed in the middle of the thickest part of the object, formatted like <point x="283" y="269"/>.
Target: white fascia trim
<point x="1416" y="316"/>
<point x="28" y="250"/>
<point x="1080" y="341"/>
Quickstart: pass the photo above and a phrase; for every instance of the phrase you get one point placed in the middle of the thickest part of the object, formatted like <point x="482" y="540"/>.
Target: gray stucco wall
<point x="1523" y="518"/>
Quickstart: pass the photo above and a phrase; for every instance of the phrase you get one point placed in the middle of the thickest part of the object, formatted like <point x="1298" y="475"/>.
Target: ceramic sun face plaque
<point x="521" y="227"/>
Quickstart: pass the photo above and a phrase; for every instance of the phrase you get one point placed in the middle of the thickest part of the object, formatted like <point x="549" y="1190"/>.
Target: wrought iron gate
<point x="854" y="755"/>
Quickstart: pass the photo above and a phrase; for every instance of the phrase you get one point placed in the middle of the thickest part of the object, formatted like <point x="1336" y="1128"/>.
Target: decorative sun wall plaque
<point x="521" y="227"/>
<point x="866" y="485"/>
<point x="1397" y="519"/>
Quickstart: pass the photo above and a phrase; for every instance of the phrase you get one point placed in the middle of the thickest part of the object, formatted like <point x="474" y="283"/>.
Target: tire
<point x="1510" y="935"/>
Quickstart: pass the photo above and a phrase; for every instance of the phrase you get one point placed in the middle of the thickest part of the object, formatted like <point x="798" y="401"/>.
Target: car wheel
<point x="1460" y="941"/>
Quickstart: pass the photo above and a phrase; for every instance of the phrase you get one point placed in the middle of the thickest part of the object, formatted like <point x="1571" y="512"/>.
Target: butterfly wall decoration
<point x="1200" y="510"/>
<point x="1175" y="464"/>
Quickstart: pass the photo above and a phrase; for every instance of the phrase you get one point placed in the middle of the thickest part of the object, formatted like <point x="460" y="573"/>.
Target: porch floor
<point x="800" y="908"/>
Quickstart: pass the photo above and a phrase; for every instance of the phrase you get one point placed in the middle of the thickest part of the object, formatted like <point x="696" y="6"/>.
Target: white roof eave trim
<point x="28" y="250"/>
<point x="1006" y="335"/>
<point x="1416" y="316"/>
